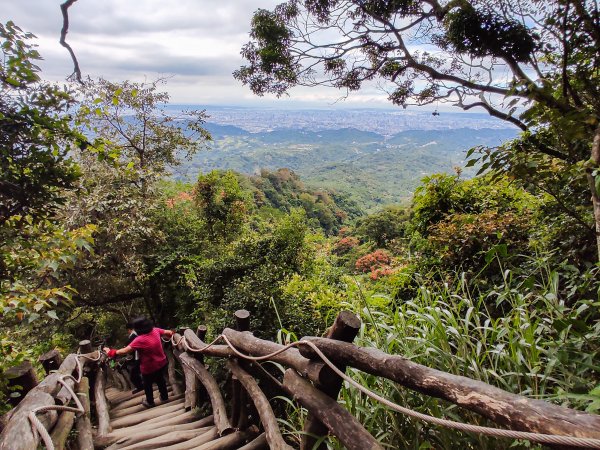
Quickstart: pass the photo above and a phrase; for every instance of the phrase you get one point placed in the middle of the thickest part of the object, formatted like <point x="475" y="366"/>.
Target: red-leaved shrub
<point x="372" y="261"/>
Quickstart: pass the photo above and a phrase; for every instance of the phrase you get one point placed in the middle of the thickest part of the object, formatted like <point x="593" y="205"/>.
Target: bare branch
<point x="64" y="7"/>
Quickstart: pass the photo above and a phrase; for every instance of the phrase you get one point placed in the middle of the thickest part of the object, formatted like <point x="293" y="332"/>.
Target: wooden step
<point x="150" y="413"/>
<point x="193" y="443"/>
<point x="129" y="399"/>
<point x="160" y="424"/>
<point x="170" y="438"/>
<point x="150" y="434"/>
<point x="120" y="412"/>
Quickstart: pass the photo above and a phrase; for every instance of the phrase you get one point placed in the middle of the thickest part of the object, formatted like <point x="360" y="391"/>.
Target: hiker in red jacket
<point x="153" y="362"/>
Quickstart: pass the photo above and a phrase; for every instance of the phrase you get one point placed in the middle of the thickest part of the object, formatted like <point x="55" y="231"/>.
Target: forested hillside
<point x="482" y="264"/>
<point x="374" y="170"/>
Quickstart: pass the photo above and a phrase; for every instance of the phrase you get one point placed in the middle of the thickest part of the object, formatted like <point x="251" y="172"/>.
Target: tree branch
<point x="64" y="7"/>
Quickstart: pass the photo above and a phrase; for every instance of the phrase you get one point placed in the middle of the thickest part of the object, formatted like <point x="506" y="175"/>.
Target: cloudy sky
<point x="195" y="42"/>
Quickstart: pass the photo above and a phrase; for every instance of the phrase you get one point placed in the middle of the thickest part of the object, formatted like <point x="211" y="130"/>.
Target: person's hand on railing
<point x="111" y="352"/>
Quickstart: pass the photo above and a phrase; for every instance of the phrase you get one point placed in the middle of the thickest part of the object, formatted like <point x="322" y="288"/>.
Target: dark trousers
<point x="135" y="375"/>
<point x="157" y="377"/>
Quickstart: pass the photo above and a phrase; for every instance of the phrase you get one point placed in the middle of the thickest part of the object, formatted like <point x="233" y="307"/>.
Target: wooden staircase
<point x="167" y="426"/>
<point x="314" y="372"/>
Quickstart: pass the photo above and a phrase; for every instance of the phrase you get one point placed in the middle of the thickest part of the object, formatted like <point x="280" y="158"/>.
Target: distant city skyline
<point x="385" y="122"/>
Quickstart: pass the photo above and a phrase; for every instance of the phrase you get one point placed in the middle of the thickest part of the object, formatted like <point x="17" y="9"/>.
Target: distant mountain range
<point x="375" y="168"/>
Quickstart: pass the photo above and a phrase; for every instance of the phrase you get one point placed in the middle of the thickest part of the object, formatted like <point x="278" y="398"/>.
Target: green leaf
<point x="52" y="314"/>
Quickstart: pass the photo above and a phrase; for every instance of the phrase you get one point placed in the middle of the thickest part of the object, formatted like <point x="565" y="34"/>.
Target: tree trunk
<point x="595" y="165"/>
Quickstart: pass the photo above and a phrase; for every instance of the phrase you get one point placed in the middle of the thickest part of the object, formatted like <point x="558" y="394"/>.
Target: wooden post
<point x="83" y="424"/>
<point x="201" y="331"/>
<point x="85" y="346"/>
<point x="191" y="387"/>
<point x="201" y="394"/>
<point x="172" y="375"/>
<point x="239" y="408"/>
<point x="261" y="402"/>
<point x="102" y="411"/>
<point x="327" y="410"/>
<point x="61" y="430"/>
<point x="21" y="379"/>
<point x="218" y="404"/>
<point x="50" y="360"/>
<point x="182" y="330"/>
<point x="242" y="320"/>
<point x="345" y="328"/>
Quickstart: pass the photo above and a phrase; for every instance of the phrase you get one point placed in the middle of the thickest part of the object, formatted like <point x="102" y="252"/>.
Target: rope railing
<point x="550" y="439"/>
<point x="37" y="425"/>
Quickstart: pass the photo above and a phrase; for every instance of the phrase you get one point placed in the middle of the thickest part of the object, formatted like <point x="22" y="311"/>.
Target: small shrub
<point x="344" y="245"/>
<point x="375" y="260"/>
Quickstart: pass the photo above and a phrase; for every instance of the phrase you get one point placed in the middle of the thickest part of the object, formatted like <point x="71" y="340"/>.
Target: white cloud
<point x="195" y="42"/>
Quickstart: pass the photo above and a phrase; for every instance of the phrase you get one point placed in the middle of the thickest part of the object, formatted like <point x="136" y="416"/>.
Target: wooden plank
<point x="212" y="388"/>
<point x="510" y="410"/>
<point x="230" y="442"/>
<point x="195" y="443"/>
<point x="261" y="402"/>
<point x="337" y="419"/>
<point x="128" y="399"/>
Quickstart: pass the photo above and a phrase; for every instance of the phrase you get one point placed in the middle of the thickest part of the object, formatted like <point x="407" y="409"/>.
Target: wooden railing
<point x="314" y="368"/>
<point x="45" y="405"/>
<point x="315" y="386"/>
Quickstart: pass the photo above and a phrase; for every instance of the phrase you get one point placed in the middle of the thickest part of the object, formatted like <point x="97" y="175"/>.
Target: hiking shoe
<point x="148" y="405"/>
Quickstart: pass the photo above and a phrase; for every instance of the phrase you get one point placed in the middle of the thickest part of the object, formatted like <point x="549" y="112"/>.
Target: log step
<point x="115" y="413"/>
<point x="149" y="413"/>
<point x="167" y="426"/>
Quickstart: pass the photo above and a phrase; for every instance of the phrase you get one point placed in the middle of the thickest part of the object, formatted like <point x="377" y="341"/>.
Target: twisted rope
<point x="37" y="426"/>
<point x="487" y="431"/>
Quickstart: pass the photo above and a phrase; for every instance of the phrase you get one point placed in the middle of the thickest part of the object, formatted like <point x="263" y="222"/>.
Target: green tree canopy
<point x="534" y="63"/>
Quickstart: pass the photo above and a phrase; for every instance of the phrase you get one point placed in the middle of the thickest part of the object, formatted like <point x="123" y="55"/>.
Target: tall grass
<point x="523" y="335"/>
